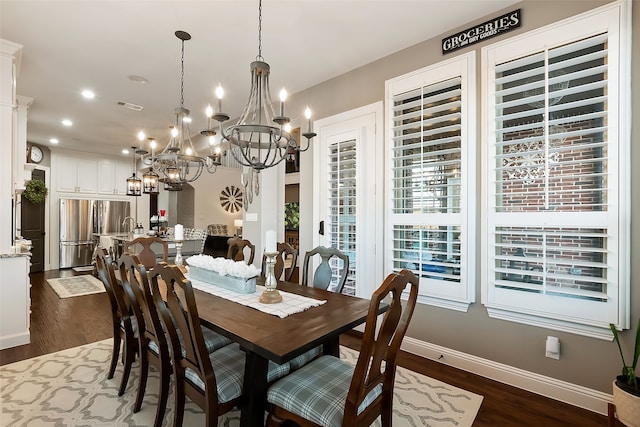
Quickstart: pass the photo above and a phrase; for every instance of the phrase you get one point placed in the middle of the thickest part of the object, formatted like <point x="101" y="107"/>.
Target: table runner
<point x="291" y="303"/>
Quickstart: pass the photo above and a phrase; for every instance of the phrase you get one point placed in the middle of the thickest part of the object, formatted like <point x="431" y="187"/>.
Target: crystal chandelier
<point x="179" y="162"/>
<point x="259" y="139"/>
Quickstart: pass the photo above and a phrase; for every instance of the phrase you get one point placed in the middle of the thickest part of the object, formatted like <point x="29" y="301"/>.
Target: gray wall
<point x="585" y="361"/>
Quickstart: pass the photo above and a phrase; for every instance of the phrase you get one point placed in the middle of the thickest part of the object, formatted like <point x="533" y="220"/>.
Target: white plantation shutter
<point x="429" y="115"/>
<point x="552" y="247"/>
<point x="342" y="208"/>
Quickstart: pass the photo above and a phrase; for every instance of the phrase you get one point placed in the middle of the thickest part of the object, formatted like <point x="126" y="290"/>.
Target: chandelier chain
<point x="259" y="57"/>
<point x="182" y="78"/>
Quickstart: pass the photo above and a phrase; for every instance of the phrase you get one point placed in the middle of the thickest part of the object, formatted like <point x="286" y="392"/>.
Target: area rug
<point x="70" y="388"/>
<point x="83" y="269"/>
<point x="75" y="286"/>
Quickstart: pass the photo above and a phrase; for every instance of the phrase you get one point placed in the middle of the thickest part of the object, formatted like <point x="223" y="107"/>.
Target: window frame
<point x="615" y="20"/>
<point x="432" y="291"/>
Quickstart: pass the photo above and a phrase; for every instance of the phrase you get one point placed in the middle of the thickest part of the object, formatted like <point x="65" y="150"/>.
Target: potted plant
<point x="626" y="387"/>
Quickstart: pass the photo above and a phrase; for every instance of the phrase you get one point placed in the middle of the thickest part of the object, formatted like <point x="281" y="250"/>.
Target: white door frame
<point x="366" y="124"/>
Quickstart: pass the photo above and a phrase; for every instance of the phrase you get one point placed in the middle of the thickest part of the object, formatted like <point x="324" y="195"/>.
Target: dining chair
<point x="213" y="381"/>
<point x="147" y="256"/>
<point x="152" y="343"/>
<point x="285" y="251"/>
<point x="124" y="324"/>
<point x="323" y="275"/>
<point x="236" y="250"/>
<point x="329" y="391"/>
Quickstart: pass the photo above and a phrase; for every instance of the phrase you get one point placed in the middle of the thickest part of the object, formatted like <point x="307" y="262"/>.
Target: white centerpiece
<point x="233" y="275"/>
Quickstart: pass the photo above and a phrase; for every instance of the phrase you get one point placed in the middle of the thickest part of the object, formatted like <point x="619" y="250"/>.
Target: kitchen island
<point x="189" y="246"/>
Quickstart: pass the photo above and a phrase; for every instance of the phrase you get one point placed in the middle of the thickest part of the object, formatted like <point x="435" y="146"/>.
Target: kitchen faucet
<point x="132" y="222"/>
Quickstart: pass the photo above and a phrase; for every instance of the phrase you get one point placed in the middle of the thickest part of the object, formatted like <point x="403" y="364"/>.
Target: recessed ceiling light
<point x="138" y="79"/>
<point x="125" y="151"/>
<point x="67" y="122"/>
<point x="54" y="140"/>
<point x="88" y="94"/>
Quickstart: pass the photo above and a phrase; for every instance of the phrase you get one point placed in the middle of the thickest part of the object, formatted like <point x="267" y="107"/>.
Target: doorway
<point x="348" y="193"/>
<point x="33" y="225"/>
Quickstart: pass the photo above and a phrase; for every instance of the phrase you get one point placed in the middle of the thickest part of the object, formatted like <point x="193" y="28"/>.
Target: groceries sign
<point x="484" y="31"/>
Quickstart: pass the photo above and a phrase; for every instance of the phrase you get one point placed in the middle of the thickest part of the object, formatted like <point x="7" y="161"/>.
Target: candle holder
<point x="178" y="260"/>
<point x="270" y="294"/>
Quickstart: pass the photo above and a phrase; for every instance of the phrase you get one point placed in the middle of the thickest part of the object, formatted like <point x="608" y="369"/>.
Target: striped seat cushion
<point x="305" y="358"/>
<point x="228" y="367"/>
<point x="318" y="391"/>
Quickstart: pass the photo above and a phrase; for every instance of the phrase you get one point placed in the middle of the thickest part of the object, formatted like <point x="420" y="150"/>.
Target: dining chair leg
<point x="129" y="354"/>
<point x="142" y="385"/>
<point x="165" y="377"/>
<point x="179" y="406"/>
<point x="114" y="356"/>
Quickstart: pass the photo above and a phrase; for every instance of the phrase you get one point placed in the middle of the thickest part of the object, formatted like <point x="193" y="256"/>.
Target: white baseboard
<point x="563" y="391"/>
<point x="15" y="340"/>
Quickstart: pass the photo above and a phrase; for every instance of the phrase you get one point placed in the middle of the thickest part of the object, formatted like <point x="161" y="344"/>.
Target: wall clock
<point x="231" y="199"/>
<point x="35" y="154"/>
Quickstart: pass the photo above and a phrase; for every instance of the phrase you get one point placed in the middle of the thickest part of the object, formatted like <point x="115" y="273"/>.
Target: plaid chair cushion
<point x="213" y="340"/>
<point x="134" y="325"/>
<point x="228" y="367"/>
<point x="305" y="358"/>
<point x="318" y="391"/>
<point x="153" y="346"/>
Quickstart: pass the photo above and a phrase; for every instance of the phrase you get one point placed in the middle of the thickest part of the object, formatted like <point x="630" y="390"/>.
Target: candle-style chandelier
<point x="259" y="139"/>
<point x="179" y="162"/>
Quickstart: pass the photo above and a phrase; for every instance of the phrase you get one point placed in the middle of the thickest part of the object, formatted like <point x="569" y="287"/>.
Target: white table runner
<point x="291" y="303"/>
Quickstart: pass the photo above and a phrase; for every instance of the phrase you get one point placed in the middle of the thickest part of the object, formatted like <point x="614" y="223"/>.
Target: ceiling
<point x="69" y="46"/>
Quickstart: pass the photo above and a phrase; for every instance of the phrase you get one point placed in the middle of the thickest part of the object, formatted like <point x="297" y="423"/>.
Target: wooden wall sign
<point x="480" y="32"/>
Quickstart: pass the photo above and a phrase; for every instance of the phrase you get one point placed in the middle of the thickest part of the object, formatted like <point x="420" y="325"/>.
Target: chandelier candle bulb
<point x="307" y="114"/>
<point x="219" y="95"/>
<point x="270" y="241"/>
<point x="283" y="98"/>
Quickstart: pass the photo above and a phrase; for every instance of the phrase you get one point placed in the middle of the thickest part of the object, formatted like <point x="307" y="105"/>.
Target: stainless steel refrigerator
<point x="82" y="222"/>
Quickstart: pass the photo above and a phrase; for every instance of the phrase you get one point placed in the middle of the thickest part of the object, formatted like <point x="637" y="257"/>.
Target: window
<point x="431" y="170"/>
<point x="554" y="254"/>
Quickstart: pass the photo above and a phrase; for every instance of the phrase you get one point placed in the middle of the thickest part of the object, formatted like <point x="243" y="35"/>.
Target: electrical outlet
<point x="552" y="348"/>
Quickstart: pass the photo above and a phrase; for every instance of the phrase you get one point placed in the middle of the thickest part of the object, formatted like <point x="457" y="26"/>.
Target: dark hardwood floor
<point x="57" y="324"/>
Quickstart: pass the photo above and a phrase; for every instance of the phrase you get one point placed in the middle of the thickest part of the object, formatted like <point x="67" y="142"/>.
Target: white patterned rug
<point x="70" y="388"/>
<point x="75" y="286"/>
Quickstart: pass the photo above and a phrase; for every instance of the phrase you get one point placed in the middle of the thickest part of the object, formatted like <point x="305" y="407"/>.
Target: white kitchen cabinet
<point x="76" y="175"/>
<point x="112" y="177"/>
<point x="15" y="300"/>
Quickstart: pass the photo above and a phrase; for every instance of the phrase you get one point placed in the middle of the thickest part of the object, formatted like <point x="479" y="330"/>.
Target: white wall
<point x="208" y="209"/>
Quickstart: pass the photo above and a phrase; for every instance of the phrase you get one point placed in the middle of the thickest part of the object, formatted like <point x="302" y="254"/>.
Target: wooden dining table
<point x="266" y="337"/>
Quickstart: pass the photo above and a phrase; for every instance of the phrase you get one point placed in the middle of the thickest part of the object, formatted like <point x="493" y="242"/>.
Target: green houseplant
<point x="35" y="191"/>
<point x="626" y="388"/>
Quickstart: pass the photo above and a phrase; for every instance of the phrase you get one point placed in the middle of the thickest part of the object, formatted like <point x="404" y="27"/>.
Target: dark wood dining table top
<point x="282" y="339"/>
<point x="267" y="337"/>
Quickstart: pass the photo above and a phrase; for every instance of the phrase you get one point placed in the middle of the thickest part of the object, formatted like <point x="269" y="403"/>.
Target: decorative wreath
<point x="231" y="199"/>
<point x="35" y="191"/>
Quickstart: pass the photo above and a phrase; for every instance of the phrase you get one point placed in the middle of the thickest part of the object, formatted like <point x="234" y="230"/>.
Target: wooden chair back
<point x="236" y="250"/>
<point x="120" y="316"/>
<point x="370" y="387"/>
<point x="376" y="363"/>
<point x="138" y="291"/>
<point x="323" y="274"/>
<point x="179" y="315"/>
<point x="285" y="251"/>
<point x="147" y="256"/>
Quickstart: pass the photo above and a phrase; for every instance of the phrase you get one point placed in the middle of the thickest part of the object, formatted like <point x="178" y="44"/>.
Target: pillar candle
<point x="178" y="232"/>
<point x="270" y="241"/>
